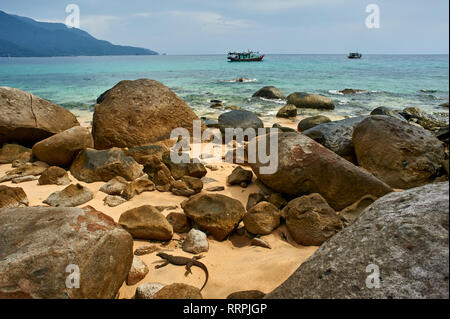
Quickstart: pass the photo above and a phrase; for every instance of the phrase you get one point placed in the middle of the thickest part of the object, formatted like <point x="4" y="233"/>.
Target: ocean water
<point x="394" y="81"/>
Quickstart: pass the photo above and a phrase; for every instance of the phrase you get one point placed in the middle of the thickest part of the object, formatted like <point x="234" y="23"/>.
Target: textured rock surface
<point x="96" y="166"/>
<point x="196" y="242"/>
<point x="138" y="271"/>
<point x="114" y="186"/>
<point x="61" y="149"/>
<point x="27" y="119"/>
<point x="262" y="219"/>
<point x="148" y="290"/>
<point x="287" y="111"/>
<point x="248" y="294"/>
<point x="54" y="175"/>
<point x="216" y="214"/>
<point x="140" y="112"/>
<point x="405" y="234"/>
<point x="50" y="240"/>
<point x="71" y="196"/>
<point x="400" y="154"/>
<point x="114" y="201"/>
<point x="180" y="222"/>
<point x="137" y="187"/>
<point x="306" y="167"/>
<point x="239" y="119"/>
<point x="310" y="220"/>
<point x="12" y="152"/>
<point x="311" y="122"/>
<point x="178" y="291"/>
<point x="11" y="197"/>
<point x="239" y="176"/>
<point x="310" y="101"/>
<point x="146" y="222"/>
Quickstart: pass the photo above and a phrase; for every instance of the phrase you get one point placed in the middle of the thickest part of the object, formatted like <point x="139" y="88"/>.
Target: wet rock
<point x="101" y="166"/>
<point x="311" y="221"/>
<point x="337" y="136"/>
<point x="146" y="222"/>
<point x="28" y="119"/>
<point x="114" y="201"/>
<point x="139" y="112"/>
<point x="401" y="155"/>
<point x="61" y="149"/>
<point x="403" y="235"/>
<point x="352" y="91"/>
<point x="282" y="128"/>
<point x="148" y="290"/>
<point x="71" y="196"/>
<point x="179" y="222"/>
<point x="311" y="122"/>
<point x="12" y="152"/>
<point x="306" y="167"/>
<point x="239" y="176"/>
<point x="310" y="101"/>
<point x="388" y="112"/>
<point x="239" y="119"/>
<point x="215" y="214"/>
<point x="270" y="92"/>
<point x="138" y="271"/>
<point x="54" y="175"/>
<point x="262" y="219"/>
<point x="196" y="242"/>
<point x="51" y="239"/>
<point x="287" y="111"/>
<point x="11" y="197"/>
<point x="178" y="291"/>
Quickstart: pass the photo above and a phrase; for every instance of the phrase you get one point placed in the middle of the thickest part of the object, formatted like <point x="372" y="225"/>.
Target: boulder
<point x="282" y="128"/>
<point x="444" y="104"/>
<point x="146" y="222"/>
<point x="178" y="170"/>
<point x="11" y="197"/>
<point x="11" y="152"/>
<point x="54" y="175"/>
<point x="28" y="119"/>
<point x="55" y="245"/>
<point x="388" y="112"/>
<point x="216" y="214"/>
<point x="239" y="119"/>
<point x="306" y="167"/>
<point x="397" y="249"/>
<point x="178" y="291"/>
<point x="337" y="136"/>
<point x="400" y="154"/>
<point x="71" y="196"/>
<point x="138" y="271"/>
<point x="180" y="188"/>
<point x="114" y="201"/>
<point x="310" y="220"/>
<point x="287" y="111"/>
<point x="270" y="92"/>
<point x="196" y="242"/>
<point x="141" y="153"/>
<point x="148" y="290"/>
<point x="352" y="91"/>
<point x="262" y="219"/>
<point x="427" y="121"/>
<point x="115" y="186"/>
<point x="96" y="166"/>
<point x="61" y="149"/>
<point x="312" y="121"/>
<point x="140" y="112"/>
<point x="180" y="222"/>
<point x="239" y="176"/>
<point x="310" y="101"/>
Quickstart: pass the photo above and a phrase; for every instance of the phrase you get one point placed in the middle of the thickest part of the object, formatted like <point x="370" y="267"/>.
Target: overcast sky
<point x="270" y="26"/>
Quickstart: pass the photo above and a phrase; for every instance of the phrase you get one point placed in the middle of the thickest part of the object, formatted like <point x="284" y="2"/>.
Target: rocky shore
<point x="106" y="199"/>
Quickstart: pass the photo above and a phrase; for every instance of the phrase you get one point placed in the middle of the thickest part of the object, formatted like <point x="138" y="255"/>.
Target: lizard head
<point x="162" y="255"/>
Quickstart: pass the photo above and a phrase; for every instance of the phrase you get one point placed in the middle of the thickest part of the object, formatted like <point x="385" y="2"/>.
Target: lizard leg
<point x="164" y="264"/>
<point x="188" y="269"/>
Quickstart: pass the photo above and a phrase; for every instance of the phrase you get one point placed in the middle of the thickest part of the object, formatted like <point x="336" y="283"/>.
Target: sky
<point x="269" y="26"/>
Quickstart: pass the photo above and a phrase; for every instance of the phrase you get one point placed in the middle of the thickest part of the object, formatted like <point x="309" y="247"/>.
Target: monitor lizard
<point x="183" y="261"/>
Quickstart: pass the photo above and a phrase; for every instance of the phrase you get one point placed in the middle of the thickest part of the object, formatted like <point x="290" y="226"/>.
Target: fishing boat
<point x="248" y="56"/>
<point x="355" y="55"/>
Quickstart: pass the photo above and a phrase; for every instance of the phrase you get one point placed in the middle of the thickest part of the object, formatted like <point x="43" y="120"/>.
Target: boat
<point x="248" y="56"/>
<point x="355" y="55"/>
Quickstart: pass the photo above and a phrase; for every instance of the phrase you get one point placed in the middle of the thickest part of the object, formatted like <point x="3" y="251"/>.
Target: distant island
<point x="25" y="37"/>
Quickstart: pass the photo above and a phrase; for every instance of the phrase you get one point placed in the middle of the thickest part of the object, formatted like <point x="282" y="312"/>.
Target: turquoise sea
<point x="394" y="81"/>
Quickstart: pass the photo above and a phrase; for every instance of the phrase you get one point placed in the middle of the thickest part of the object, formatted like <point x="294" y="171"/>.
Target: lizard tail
<point x="206" y="280"/>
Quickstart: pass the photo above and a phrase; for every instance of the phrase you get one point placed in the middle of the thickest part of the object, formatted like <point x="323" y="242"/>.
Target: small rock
<point x="312" y="101"/>
<point x="178" y="291"/>
<point x="351" y="213"/>
<point x="287" y="111"/>
<point x="262" y="219"/>
<point x="54" y="175"/>
<point x="215" y="189"/>
<point x="310" y="122"/>
<point x="212" y="167"/>
<point x="24" y="179"/>
<point x="138" y="271"/>
<point x="113" y="200"/>
<point x="270" y="92"/>
<point x="180" y="222"/>
<point x="12" y="197"/>
<point x="148" y="290"/>
<point x="137" y="187"/>
<point x="277" y="200"/>
<point x="196" y="242"/>
<point x="240" y="175"/>
<point x="260" y="242"/>
<point x="248" y="294"/>
<point x="72" y="196"/>
<point x="115" y="186"/>
<point x="146" y="249"/>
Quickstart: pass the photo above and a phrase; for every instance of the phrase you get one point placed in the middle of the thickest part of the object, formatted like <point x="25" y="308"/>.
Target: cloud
<point x="283" y="5"/>
<point x="98" y="25"/>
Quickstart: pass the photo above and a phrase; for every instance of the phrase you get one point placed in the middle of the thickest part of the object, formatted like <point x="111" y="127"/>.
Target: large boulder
<point x="398" y="248"/>
<point x="215" y="214"/>
<point x="135" y="113"/>
<point x="310" y="220"/>
<point x="311" y="122"/>
<point x="27" y="119"/>
<point x="95" y="166"/>
<point x="336" y="136"/>
<point x="400" y="154"/>
<point x="56" y="243"/>
<point x="239" y="119"/>
<point x="61" y="149"/>
<point x="306" y="167"/>
<point x="146" y="222"/>
<point x="310" y="101"/>
<point x="11" y="197"/>
<point x="270" y="92"/>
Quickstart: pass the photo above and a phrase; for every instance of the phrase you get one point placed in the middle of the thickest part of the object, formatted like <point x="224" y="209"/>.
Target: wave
<point x="241" y="80"/>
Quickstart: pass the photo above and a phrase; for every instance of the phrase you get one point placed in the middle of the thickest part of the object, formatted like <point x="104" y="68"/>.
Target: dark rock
<point x="270" y="92"/>
<point x="277" y="200"/>
<point x="240" y="175"/>
<point x="54" y="175"/>
<point x="96" y="166"/>
<point x="310" y="101"/>
<point x="249" y="294"/>
<point x="352" y="91"/>
<point x="51" y="239"/>
<point x="141" y="153"/>
<point x="215" y="189"/>
<point x="310" y="122"/>
<point x="400" y="154"/>
<point x="287" y="111"/>
<point x="388" y="112"/>
<point x="178" y="170"/>
<point x="254" y="199"/>
<point x="306" y="167"/>
<point x="402" y="235"/>
<point x="282" y="128"/>
<point x="239" y="119"/>
<point x="216" y="214"/>
<point x="179" y="222"/>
